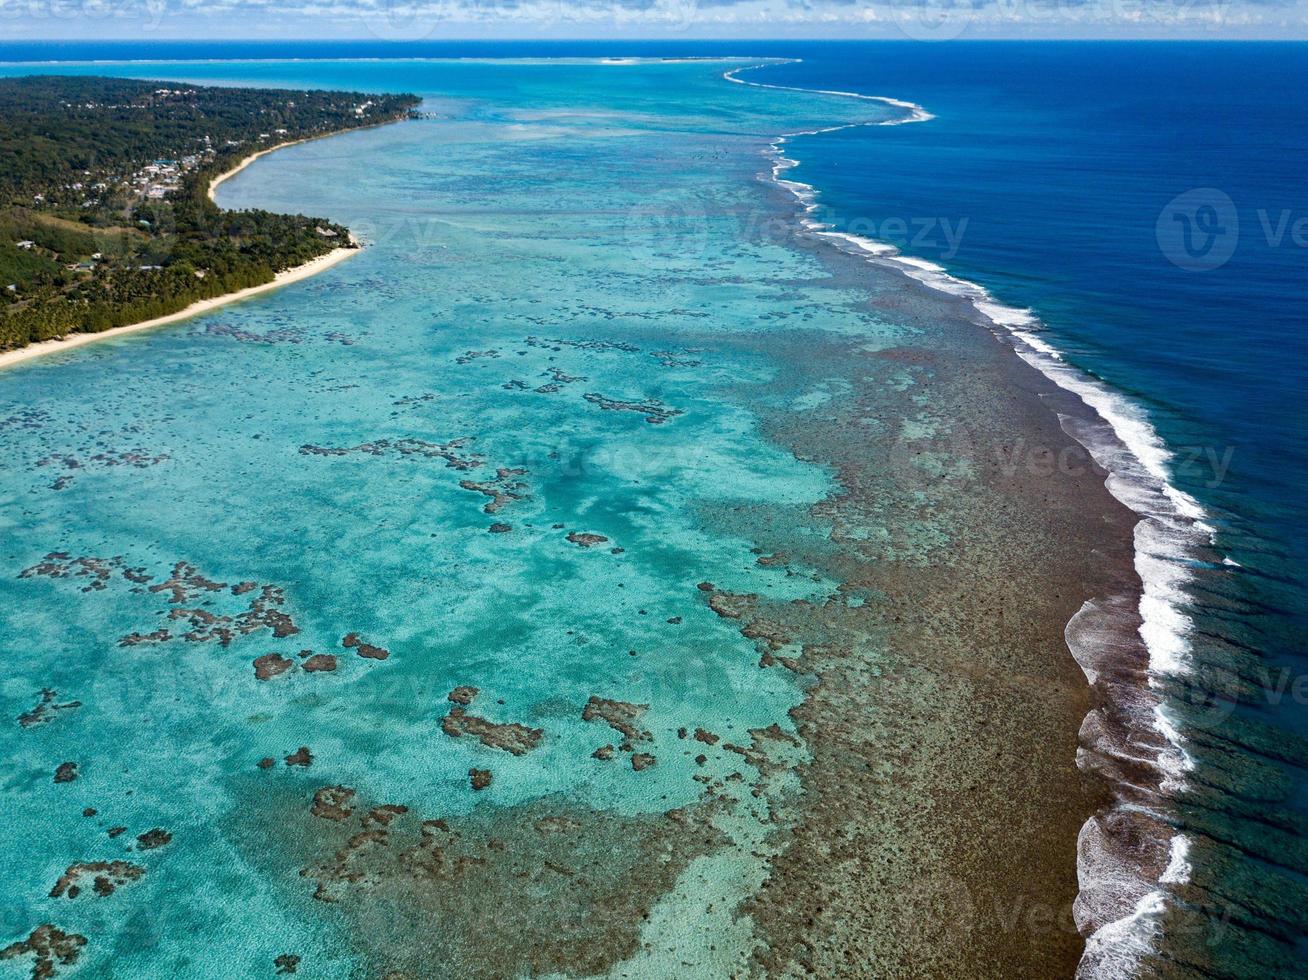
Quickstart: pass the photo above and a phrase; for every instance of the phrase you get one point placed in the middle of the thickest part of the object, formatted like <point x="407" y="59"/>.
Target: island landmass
<point x="107" y="220"/>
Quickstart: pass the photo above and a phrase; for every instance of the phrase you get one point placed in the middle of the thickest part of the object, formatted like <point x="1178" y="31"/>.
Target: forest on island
<point x="105" y="218"/>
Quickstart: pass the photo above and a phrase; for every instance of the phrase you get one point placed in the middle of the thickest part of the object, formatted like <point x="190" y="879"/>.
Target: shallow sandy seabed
<point x="694" y="592"/>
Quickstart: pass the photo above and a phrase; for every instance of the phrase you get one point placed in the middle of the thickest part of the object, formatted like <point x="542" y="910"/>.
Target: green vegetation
<point x="105" y="218"/>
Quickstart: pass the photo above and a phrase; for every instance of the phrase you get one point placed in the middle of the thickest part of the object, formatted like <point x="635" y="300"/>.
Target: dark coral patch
<point x="621" y="716"/>
<point x="270" y="665"/>
<point x="187" y="584"/>
<point x="449" y="452"/>
<point x="353" y="641"/>
<point x="106" y="875"/>
<point x="300" y="757"/>
<point x="655" y="412"/>
<point x="381" y="816"/>
<point x="60" y="564"/>
<point x="45" y="709"/>
<point x="49" y="946"/>
<point x="502" y="490"/>
<point x="152" y="839"/>
<point x="510" y="737"/>
<point x="333" y="803"/>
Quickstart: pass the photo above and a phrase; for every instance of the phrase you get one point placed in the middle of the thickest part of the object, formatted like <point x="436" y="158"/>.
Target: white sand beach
<point x="246" y="161"/>
<point x="284" y="278"/>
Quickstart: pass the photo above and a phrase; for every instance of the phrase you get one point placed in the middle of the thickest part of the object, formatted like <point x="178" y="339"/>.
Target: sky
<point x="433" y="20"/>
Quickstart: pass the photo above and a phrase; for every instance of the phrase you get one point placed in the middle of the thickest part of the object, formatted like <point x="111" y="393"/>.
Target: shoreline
<point x="284" y="278"/>
<point x="247" y="160"/>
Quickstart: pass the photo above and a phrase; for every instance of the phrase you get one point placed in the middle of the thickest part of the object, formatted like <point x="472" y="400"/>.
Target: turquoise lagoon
<point x="560" y="263"/>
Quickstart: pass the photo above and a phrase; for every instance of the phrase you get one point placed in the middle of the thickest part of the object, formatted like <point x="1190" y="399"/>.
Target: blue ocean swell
<point x="1066" y="166"/>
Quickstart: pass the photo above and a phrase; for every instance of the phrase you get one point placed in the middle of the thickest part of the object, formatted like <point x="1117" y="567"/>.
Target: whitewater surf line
<point x="1119" y="905"/>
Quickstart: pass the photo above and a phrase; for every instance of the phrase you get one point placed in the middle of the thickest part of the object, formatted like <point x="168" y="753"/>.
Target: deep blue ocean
<point x="1060" y="176"/>
<point x="1147" y="203"/>
<point x="1061" y="158"/>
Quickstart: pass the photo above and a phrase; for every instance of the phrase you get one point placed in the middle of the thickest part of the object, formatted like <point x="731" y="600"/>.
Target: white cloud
<point x="413" y="20"/>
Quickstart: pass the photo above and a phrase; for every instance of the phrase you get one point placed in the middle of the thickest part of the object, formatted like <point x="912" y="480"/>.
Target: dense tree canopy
<point x="91" y="237"/>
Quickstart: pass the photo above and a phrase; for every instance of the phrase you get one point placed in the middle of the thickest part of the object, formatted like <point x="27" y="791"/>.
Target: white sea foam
<point x="915" y="112"/>
<point x="1121" y="907"/>
<point x="1114" y="950"/>
<point x="1178" y="867"/>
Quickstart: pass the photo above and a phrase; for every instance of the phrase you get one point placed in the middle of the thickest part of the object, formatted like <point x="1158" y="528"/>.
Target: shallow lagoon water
<point x="530" y="314"/>
<point x="576" y="271"/>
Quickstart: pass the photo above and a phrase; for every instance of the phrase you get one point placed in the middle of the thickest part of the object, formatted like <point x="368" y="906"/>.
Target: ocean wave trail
<point x="914" y="112"/>
<point x="1129" y="857"/>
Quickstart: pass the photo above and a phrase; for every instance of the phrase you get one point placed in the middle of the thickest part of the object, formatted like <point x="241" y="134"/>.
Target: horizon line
<point x="999" y="39"/>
